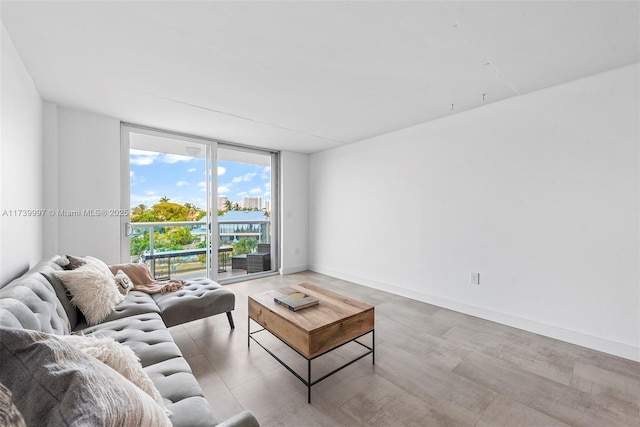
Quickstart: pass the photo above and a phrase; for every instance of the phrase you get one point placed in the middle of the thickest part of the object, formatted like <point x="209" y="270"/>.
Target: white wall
<point x="538" y="193"/>
<point x="294" y="210"/>
<point x="21" y="165"/>
<point x="50" y="172"/>
<point x="86" y="176"/>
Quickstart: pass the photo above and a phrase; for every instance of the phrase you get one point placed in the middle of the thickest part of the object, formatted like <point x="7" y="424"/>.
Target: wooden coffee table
<point x="313" y="331"/>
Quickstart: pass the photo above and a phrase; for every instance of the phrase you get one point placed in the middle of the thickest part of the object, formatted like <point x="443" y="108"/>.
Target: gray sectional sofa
<point x="38" y="301"/>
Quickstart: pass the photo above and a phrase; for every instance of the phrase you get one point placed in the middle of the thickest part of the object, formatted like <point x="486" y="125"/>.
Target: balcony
<point x="177" y="250"/>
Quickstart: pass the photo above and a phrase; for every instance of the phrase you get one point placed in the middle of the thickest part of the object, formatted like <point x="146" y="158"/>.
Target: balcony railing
<point x="178" y="249"/>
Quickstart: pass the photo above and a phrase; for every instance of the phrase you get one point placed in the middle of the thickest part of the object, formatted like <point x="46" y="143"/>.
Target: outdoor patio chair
<point x="258" y="262"/>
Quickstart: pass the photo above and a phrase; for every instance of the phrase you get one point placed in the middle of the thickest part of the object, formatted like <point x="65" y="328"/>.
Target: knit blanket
<point x="143" y="281"/>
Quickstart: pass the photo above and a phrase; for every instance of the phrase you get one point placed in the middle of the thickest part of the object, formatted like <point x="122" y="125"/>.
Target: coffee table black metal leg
<point x="373" y="346"/>
<point x="309" y="381"/>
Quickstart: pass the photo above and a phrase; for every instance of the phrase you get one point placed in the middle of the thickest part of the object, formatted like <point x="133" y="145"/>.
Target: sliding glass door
<point x="247" y="201"/>
<point x="170" y="199"/>
<point x="185" y="221"/>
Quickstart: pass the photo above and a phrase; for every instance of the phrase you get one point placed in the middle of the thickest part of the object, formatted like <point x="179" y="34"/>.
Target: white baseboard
<point x="585" y="340"/>
<point x="295" y="269"/>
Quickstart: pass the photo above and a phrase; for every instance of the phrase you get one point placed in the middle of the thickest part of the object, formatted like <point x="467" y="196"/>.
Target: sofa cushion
<point x="134" y="303"/>
<point x="198" y="299"/>
<point x="117" y="356"/>
<point x="182" y="393"/>
<point x="30" y="302"/>
<point x="64" y="296"/>
<point x="47" y="268"/>
<point x="162" y="360"/>
<point x="53" y="383"/>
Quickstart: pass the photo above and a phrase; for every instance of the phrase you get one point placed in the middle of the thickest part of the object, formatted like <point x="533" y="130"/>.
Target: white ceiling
<point x="308" y="76"/>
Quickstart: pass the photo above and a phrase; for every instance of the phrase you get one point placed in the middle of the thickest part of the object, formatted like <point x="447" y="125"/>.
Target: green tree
<point x="168" y="211"/>
<point x="139" y="244"/>
<point x="180" y="236"/>
<point x="195" y="213"/>
<point x="146" y="216"/>
<point x="245" y="246"/>
<point x="164" y="238"/>
<point x="140" y="209"/>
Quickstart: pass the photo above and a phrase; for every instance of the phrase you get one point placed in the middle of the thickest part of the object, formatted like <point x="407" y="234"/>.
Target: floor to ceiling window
<point x="198" y="207"/>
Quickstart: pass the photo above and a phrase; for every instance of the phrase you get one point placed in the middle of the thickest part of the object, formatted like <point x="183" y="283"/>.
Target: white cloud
<point x="191" y="170"/>
<point x="222" y="190"/>
<point x="175" y="158"/>
<point x="256" y="190"/>
<point x="182" y="183"/>
<point x="133" y="179"/>
<point x="145" y="200"/>
<point x="266" y="172"/>
<point x="142" y="160"/>
<point x="241" y="194"/>
<point x="138" y="152"/>
<point x="246" y="177"/>
<point x="221" y="170"/>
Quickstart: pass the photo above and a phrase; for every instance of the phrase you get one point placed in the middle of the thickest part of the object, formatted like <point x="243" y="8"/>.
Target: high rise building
<point x="222" y="202"/>
<point x="267" y="205"/>
<point x="252" y="202"/>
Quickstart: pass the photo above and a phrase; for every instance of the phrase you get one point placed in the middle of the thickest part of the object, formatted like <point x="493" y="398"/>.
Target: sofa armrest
<point x="243" y="419"/>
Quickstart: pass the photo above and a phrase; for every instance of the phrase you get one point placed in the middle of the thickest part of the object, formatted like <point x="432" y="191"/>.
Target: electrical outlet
<point x="475" y="278"/>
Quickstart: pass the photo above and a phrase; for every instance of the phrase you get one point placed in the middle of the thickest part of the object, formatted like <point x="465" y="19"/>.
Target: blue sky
<point x="182" y="179"/>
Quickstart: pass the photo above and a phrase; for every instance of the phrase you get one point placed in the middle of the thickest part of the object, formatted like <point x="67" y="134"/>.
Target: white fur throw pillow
<point x="98" y="263"/>
<point x="93" y="291"/>
<point x="119" y="357"/>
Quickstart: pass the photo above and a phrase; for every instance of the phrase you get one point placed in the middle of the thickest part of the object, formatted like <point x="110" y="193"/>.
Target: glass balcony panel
<point x="178" y="250"/>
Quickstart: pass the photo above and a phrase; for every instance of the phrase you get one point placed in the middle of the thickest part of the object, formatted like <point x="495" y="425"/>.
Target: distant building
<point x="267" y="205"/>
<point x="252" y="202"/>
<point x="222" y="202"/>
<point x="238" y="225"/>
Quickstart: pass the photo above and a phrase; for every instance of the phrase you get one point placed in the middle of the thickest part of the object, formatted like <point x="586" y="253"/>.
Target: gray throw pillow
<point x="9" y="414"/>
<point x="117" y="356"/>
<point x="53" y="383"/>
<point x="74" y="262"/>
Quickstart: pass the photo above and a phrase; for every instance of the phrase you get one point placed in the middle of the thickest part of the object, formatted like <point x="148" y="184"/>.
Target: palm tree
<point x="228" y="205"/>
<point x="164" y="199"/>
<point x="140" y="209"/>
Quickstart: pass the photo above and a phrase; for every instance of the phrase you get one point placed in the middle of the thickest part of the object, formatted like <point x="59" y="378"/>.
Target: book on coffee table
<point x="296" y="300"/>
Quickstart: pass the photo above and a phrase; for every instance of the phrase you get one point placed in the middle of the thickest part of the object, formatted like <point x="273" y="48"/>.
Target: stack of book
<point x="296" y="301"/>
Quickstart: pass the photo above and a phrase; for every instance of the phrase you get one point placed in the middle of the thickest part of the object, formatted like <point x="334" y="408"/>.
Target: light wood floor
<point x="433" y="367"/>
